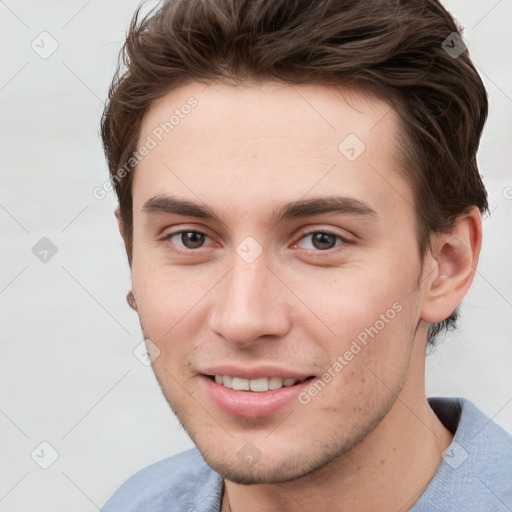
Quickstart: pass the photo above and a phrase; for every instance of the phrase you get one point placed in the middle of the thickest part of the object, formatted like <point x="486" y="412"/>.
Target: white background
<point x="68" y="374"/>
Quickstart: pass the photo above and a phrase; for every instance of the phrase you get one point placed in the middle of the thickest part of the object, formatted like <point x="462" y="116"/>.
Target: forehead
<point x="268" y="143"/>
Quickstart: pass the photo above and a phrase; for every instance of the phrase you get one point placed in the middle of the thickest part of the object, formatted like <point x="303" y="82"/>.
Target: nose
<point x="250" y="303"/>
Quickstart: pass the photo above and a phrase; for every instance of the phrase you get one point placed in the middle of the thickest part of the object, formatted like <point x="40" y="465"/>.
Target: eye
<point x="188" y="239"/>
<point x="321" y="240"/>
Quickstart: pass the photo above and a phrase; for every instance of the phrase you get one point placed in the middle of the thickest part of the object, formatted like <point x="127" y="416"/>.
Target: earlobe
<point x="456" y="257"/>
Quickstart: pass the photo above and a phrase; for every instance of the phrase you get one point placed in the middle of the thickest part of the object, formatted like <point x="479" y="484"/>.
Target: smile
<point x="254" y="398"/>
<point x="259" y="385"/>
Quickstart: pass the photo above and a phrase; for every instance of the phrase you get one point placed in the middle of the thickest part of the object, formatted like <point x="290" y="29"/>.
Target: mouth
<point x="254" y="398"/>
<point x="259" y="385"/>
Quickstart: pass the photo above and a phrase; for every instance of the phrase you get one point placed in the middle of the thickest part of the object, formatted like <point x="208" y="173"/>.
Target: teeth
<point x="257" y="385"/>
<point x="240" y="384"/>
<point x="275" y="383"/>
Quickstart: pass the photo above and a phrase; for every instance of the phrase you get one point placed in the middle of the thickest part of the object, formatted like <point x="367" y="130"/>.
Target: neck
<point x="388" y="471"/>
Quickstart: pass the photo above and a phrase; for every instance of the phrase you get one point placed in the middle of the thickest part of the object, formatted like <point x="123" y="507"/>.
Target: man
<point x="301" y="208"/>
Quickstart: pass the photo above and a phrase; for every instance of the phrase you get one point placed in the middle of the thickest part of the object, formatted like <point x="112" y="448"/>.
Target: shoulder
<point x="476" y="472"/>
<point x="478" y="439"/>
<point x="182" y="482"/>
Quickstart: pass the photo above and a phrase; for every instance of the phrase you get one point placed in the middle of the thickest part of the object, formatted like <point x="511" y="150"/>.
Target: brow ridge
<point x="296" y="209"/>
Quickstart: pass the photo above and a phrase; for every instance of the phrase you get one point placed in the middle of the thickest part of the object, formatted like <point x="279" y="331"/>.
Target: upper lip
<point x="256" y="372"/>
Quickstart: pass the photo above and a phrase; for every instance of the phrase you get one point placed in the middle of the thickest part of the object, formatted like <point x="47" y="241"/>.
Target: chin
<point x="277" y="468"/>
<point x="264" y="473"/>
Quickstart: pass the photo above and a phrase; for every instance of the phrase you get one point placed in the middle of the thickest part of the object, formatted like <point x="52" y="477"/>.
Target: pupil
<point x="324" y="241"/>
<point x="192" y="240"/>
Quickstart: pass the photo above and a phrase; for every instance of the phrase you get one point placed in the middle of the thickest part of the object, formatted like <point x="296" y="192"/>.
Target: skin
<point x="368" y="440"/>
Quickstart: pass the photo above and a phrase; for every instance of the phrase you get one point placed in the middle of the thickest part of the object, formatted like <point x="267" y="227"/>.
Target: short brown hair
<point x="398" y="49"/>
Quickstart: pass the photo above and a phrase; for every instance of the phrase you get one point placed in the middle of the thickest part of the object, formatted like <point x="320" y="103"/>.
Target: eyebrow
<point x="173" y="205"/>
<point x="317" y="206"/>
<point x="340" y="205"/>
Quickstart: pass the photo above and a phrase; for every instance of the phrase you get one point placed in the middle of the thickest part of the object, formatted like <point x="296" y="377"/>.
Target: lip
<point x="250" y="404"/>
<point x="258" y="372"/>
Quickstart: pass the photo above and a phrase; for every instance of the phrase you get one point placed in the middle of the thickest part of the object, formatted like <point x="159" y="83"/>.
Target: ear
<point x="453" y="264"/>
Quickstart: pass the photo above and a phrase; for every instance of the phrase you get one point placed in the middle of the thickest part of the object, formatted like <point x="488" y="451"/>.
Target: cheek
<point x="167" y="298"/>
<point x="366" y="364"/>
<point x="372" y="321"/>
<point x="154" y="299"/>
<point x="165" y="290"/>
<point x="354" y="301"/>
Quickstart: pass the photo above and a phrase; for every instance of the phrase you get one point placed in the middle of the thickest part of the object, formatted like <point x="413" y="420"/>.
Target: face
<point x="275" y="269"/>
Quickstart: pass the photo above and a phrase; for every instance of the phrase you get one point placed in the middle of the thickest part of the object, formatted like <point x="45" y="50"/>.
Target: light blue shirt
<point x="475" y="475"/>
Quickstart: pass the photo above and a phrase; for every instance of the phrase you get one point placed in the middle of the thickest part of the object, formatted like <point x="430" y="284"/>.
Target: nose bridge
<point x="248" y="305"/>
<point x="249" y="284"/>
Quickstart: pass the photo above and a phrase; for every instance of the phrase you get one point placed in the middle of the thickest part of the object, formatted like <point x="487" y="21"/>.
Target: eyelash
<point x="167" y="237"/>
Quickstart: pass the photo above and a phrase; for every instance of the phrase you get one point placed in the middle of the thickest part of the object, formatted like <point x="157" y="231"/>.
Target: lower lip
<point x="251" y="404"/>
